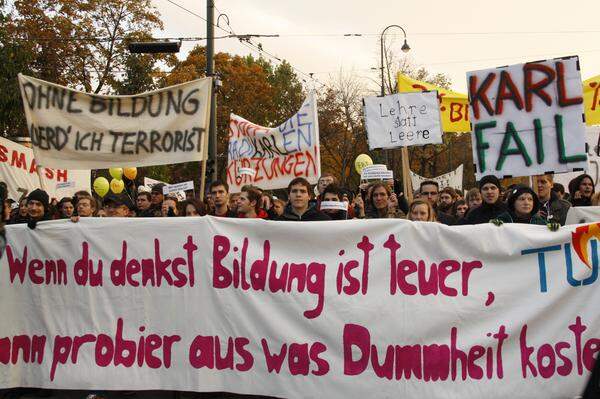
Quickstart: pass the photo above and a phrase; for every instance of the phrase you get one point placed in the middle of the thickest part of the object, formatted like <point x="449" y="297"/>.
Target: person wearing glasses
<point x="429" y="191"/>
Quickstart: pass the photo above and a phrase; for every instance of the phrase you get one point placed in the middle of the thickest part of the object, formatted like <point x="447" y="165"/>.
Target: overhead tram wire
<point x="245" y="41"/>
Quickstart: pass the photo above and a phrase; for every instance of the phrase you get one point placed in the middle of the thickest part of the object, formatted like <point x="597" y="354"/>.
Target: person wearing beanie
<point x="491" y="206"/>
<point x="38" y="203"/>
<point x="523" y="206"/>
<point x="581" y="189"/>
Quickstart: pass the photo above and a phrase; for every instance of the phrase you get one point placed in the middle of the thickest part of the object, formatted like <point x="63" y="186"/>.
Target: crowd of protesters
<point x="489" y="202"/>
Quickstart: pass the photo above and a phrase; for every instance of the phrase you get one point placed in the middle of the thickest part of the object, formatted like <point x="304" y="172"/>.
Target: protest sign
<point x="592" y="134"/>
<point x="73" y="129"/>
<point x="452" y="179"/>
<point x="401" y="120"/>
<point x="528" y="119"/>
<point x="171" y="188"/>
<point x="19" y="170"/>
<point x="277" y="155"/>
<point x="591" y="99"/>
<point x="272" y="308"/>
<point x="148" y="182"/>
<point x="454" y="107"/>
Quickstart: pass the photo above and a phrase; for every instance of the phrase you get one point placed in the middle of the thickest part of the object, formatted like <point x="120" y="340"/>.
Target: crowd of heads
<point x="547" y="202"/>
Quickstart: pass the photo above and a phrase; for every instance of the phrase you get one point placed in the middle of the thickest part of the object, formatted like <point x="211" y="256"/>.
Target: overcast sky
<point x="451" y="37"/>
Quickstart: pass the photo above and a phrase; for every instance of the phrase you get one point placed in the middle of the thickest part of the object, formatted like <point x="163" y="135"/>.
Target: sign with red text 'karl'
<point x="528" y="119"/>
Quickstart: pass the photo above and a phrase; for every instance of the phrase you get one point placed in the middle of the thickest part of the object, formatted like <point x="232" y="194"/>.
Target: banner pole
<point x="407" y="183"/>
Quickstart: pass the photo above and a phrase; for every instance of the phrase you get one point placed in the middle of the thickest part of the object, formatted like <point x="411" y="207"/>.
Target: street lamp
<point x="405" y="48"/>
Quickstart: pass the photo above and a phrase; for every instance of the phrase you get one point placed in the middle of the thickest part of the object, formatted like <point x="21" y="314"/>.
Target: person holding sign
<point x="383" y="203"/>
<point x="523" y="206"/>
<point x="491" y="207"/>
<point x="219" y="193"/>
<point x="331" y="203"/>
<point x="248" y="204"/>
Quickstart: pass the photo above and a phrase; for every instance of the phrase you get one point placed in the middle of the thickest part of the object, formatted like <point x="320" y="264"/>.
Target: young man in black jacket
<point x="492" y="205"/>
<point x="298" y="208"/>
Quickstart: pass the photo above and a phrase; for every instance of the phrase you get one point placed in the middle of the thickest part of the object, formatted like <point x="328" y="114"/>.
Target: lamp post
<point x="405" y="48"/>
<point x="407" y="189"/>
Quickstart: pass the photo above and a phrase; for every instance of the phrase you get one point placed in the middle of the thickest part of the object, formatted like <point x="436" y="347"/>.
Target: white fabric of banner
<point x="276" y="154"/>
<point x="19" y="170"/>
<point x="77" y="130"/>
<point x="380" y="308"/>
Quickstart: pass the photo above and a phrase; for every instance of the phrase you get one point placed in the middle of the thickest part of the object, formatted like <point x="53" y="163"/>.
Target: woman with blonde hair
<point x="421" y="211"/>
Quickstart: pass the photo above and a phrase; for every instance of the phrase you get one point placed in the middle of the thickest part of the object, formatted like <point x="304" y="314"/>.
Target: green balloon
<point x="101" y="186"/>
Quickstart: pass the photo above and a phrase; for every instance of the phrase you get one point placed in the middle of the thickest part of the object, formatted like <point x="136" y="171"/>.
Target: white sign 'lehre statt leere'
<point x="404" y="119"/>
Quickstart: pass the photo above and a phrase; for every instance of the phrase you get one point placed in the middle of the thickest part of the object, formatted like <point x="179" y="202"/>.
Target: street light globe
<point x="405" y="47"/>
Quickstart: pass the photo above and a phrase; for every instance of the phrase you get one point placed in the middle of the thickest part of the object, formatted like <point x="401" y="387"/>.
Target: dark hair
<point x="196" y="204"/>
<point x="331" y="189"/>
<point x="253" y="195"/>
<point x="172" y="198"/>
<point x="63" y="200"/>
<point x="449" y="190"/>
<point x="458" y="203"/>
<point x="428" y="182"/>
<point x="559" y="188"/>
<point x="93" y="202"/>
<point x="218" y="183"/>
<point x="296" y="181"/>
<point x="145" y="194"/>
<point x="375" y="186"/>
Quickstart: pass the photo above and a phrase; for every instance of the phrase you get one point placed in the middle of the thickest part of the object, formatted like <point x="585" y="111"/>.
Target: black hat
<point x="158" y="188"/>
<point x="516" y="192"/>
<point x="490" y="179"/>
<point x="41" y="196"/>
<point x="118" y="200"/>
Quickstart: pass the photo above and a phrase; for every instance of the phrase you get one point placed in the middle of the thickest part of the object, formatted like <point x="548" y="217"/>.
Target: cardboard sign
<point x="171" y="188"/>
<point x="148" y="182"/>
<point x="277" y="155"/>
<point x="22" y="174"/>
<point x="528" y="118"/>
<point x="333" y="205"/>
<point x="335" y="310"/>
<point x="77" y="130"/>
<point x="454" y="107"/>
<point x="401" y="120"/>
<point x="452" y="179"/>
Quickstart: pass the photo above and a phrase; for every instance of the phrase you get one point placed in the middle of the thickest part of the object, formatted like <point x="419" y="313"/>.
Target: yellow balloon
<point x="116" y="173"/>
<point x="117" y="186"/>
<point x="101" y="186"/>
<point x="361" y="161"/>
<point x="130" y="173"/>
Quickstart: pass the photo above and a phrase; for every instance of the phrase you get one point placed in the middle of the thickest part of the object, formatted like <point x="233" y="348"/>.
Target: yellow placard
<point x="591" y="100"/>
<point x="454" y="107"/>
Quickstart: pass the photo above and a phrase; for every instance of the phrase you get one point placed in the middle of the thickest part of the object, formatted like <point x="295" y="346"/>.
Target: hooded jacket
<point x="511" y="216"/>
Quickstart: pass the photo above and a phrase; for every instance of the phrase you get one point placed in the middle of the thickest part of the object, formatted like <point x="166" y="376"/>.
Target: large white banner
<point x="452" y="179"/>
<point x="403" y="119"/>
<point x="583" y="214"/>
<point x="324" y="309"/>
<point x="77" y="130"/>
<point x="528" y="119"/>
<point x="19" y="170"/>
<point x="270" y="158"/>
